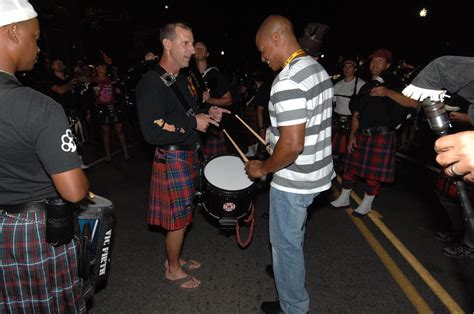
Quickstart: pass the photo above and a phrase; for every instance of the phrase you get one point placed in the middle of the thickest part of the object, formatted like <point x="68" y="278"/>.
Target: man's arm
<point x="351" y="143"/>
<point x="225" y="100"/>
<point x="399" y="98"/>
<point x="61" y="89"/>
<point x="71" y="185"/>
<point x="287" y="149"/>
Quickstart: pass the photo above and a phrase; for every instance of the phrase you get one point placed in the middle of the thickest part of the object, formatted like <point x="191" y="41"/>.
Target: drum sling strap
<point x="169" y="80"/>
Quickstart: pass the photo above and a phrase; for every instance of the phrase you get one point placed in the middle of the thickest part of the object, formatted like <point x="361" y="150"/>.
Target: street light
<point x="423" y="12"/>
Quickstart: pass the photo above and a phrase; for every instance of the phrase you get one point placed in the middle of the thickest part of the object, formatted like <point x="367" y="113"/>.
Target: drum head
<point x="227" y="173"/>
<point x="98" y="202"/>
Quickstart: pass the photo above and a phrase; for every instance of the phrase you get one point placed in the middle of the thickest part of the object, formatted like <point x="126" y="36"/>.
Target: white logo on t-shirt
<point x="68" y="144"/>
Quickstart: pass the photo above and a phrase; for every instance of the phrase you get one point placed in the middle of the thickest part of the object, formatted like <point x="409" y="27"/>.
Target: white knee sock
<point x="366" y="205"/>
<point x="344" y="198"/>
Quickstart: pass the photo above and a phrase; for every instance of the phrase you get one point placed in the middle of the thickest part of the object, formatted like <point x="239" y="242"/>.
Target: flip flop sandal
<point x="179" y="282"/>
<point x="187" y="266"/>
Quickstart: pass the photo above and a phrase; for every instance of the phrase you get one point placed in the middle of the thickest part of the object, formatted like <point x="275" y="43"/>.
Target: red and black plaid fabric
<point x="172" y="189"/>
<point x="214" y="143"/>
<point x="340" y="135"/>
<point x="373" y="158"/>
<point x="445" y="187"/>
<point x="36" y="277"/>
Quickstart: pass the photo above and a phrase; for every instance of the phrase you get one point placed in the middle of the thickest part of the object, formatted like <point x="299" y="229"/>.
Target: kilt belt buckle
<point x="376" y="130"/>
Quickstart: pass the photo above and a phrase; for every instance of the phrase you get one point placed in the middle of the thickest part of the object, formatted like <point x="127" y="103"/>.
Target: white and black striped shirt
<point x="302" y="93"/>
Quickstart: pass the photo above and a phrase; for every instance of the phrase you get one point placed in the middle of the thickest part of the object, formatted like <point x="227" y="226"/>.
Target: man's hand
<point x="203" y="121"/>
<point x="456" y="154"/>
<point x="254" y="169"/>
<point x="351" y="143"/>
<point x="379" y="91"/>
<point x="216" y="113"/>
<point x="459" y="117"/>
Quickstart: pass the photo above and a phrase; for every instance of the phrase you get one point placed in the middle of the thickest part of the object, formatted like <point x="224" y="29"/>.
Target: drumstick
<point x="245" y="159"/>
<point x="251" y="130"/>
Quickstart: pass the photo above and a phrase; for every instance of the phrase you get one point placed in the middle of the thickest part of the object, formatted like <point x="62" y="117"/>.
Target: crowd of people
<point x="316" y="127"/>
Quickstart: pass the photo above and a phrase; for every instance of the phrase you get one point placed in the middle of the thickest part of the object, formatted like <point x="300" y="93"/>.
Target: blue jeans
<point x="288" y="213"/>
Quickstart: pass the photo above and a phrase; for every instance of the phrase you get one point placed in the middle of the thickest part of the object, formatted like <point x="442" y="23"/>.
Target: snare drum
<point x="96" y="222"/>
<point x="227" y="190"/>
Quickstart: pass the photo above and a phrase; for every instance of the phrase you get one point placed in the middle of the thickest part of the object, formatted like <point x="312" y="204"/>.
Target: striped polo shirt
<point x="302" y="93"/>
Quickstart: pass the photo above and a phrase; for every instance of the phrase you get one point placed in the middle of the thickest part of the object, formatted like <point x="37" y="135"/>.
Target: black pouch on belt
<point x="59" y="221"/>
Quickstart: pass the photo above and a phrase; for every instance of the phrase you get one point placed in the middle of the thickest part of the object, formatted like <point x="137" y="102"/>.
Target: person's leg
<point x="174" y="243"/>
<point x="344" y="199"/>
<point x="121" y="137"/>
<point x="288" y="213"/>
<point x="372" y="190"/>
<point x="106" y="140"/>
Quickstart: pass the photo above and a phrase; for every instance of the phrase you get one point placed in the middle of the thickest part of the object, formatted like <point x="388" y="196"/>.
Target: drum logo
<point x="105" y="253"/>
<point x="228" y="207"/>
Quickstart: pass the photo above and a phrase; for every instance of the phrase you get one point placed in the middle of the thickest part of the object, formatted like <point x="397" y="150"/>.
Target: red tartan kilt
<point x="36" y="277"/>
<point x="172" y="189"/>
<point x="214" y="142"/>
<point x="373" y="158"/>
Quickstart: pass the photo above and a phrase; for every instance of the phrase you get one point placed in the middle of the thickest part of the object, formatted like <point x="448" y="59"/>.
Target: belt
<point x="189" y="147"/>
<point x="377" y="130"/>
<point x="24" y="208"/>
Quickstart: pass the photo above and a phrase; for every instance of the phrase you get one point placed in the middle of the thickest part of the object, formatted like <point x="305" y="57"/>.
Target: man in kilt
<point x="217" y="93"/>
<point x="376" y="110"/>
<point x="168" y="118"/>
<point x="39" y="162"/>
<point x="344" y="91"/>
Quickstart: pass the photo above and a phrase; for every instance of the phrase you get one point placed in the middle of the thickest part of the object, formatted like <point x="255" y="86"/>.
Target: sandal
<point x="179" y="282"/>
<point x="189" y="265"/>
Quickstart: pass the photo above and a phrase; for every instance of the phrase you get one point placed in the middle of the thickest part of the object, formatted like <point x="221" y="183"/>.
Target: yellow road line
<point x="437" y="289"/>
<point x="407" y="287"/>
<point x="410" y="291"/>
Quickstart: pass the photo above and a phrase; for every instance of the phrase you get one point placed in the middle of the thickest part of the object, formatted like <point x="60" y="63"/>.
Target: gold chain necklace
<point x="296" y="54"/>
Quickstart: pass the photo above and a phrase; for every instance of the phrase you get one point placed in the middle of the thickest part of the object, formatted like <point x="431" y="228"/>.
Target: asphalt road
<point x="352" y="265"/>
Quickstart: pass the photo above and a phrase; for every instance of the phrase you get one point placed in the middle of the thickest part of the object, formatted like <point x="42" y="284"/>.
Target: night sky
<point x="126" y="29"/>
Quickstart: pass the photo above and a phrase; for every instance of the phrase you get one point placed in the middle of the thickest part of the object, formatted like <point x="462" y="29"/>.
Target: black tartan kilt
<point x="110" y="114"/>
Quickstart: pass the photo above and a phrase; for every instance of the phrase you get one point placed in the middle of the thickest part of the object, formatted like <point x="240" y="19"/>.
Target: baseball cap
<point x="12" y="11"/>
<point x="382" y="53"/>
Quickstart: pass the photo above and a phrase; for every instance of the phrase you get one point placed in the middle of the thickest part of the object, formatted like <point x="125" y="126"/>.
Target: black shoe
<point x="444" y="236"/>
<point x="269" y="271"/>
<point x="271" y="307"/>
<point x="459" y="250"/>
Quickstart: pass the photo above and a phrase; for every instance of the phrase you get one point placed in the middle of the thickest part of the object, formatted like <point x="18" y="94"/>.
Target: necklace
<point x="7" y="73"/>
<point x="296" y="54"/>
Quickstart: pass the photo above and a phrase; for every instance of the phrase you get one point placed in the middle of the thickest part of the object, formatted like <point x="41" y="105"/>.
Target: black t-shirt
<point x="379" y="111"/>
<point x="157" y="104"/>
<point x="262" y="97"/>
<point x="35" y="142"/>
<point x="67" y="100"/>
<point x="216" y="82"/>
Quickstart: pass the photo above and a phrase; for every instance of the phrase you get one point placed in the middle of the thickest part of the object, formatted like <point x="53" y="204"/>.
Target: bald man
<point x="38" y="274"/>
<point x="300" y="111"/>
